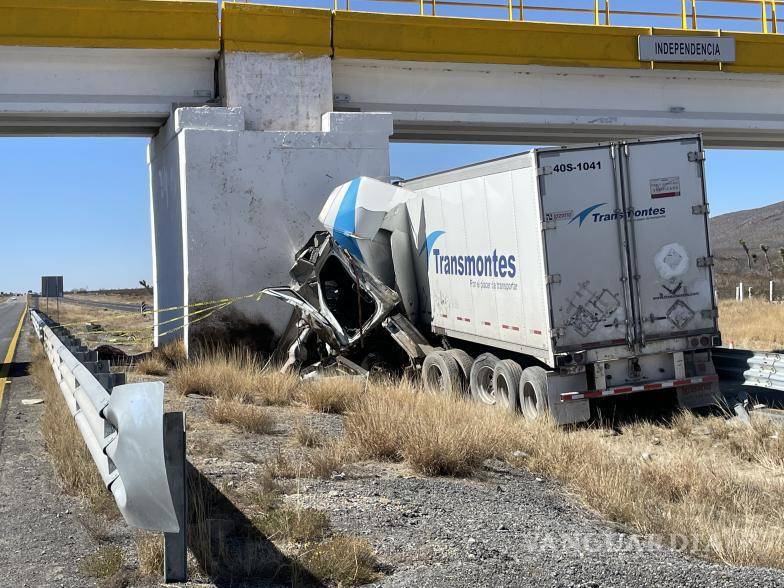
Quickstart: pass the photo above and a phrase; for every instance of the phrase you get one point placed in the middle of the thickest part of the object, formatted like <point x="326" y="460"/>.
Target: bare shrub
<point x="244" y="416"/>
<point x="149" y="547"/>
<point x="342" y="560"/>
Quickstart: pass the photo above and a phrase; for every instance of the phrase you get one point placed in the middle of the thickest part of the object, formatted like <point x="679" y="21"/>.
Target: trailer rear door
<point x="666" y="221"/>
<point x="586" y="252"/>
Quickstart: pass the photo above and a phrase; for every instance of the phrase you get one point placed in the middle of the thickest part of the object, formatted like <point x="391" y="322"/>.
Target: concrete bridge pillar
<point x="235" y="190"/>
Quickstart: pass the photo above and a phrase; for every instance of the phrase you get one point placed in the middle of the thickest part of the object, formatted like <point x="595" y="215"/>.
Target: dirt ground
<point x="503" y="527"/>
<point x="128" y="330"/>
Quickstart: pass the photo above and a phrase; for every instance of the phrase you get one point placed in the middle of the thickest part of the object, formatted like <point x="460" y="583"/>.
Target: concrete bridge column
<point x="235" y="190"/>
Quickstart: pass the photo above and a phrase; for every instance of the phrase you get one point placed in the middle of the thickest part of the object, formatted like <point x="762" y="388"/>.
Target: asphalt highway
<point x="10" y="313"/>
<point x="99" y="304"/>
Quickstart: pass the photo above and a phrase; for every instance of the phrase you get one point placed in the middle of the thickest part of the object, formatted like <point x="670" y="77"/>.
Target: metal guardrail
<point x="760" y="369"/>
<point x="759" y="16"/>
<point x="766" y="370"/>
<point x="139" y="454"/>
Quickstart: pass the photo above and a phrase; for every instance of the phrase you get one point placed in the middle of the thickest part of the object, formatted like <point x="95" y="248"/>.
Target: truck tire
<point x="506" y="382"/>
<point x="465" y="362"/>
<point x="481" y="379"/>
<point x="533" y="393"/>
<point x="441" y="374"/>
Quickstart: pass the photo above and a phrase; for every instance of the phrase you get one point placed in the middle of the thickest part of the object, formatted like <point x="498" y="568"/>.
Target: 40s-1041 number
<point x="581" y="166"/>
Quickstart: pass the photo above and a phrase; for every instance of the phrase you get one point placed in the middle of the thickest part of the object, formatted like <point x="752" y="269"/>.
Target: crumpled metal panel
<point x="142" y="490"/>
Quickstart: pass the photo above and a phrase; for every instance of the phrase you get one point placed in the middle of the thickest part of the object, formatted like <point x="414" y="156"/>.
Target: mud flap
<point x="699" y="395"/>
<point x="574" y="411"/>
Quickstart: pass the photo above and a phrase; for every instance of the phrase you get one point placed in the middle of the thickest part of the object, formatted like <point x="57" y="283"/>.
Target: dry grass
<point x="342" y="560"/>
<point x="332" y="395"/>
<point x="149" y="547"/>
<point x="244" y="416"/>
<point x="329" y="459"/>
<point x="716" y="486"/>
<point x="204" y="446"/>
<point x="72" y="462"/>
<point x="128" y="330"/>
<point x="293" y="524"/>
<point x="172" y="354"/>
<point x="435" y="435"/>
<point x="104" y="563"/>
<point x="152" y="366"/>
<point x="677" y="482"/>
<point x="308" y="436"/>
<point x="752" y="324"/>
<point x="321" y="462"/>
<point x="163" y="360"/>
<point x="235" y="375"/>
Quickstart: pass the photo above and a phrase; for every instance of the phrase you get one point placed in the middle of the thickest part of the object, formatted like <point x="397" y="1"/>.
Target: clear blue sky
<point x="80" y="207"/>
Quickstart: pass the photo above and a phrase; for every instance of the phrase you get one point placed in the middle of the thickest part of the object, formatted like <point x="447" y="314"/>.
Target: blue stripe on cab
<point x="346" y="220"/>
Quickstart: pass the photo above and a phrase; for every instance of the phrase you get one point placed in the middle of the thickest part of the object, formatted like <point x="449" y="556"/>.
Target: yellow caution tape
<point x="230" y="300"/>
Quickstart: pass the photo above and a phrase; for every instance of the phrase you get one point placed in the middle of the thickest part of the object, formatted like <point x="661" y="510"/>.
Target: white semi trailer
<point x="538" y="281"/>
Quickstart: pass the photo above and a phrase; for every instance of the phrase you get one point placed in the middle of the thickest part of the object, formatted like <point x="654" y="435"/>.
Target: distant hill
<point x="757" y="226"/>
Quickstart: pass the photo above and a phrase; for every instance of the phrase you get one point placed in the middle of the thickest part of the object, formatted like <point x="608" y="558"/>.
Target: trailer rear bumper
<point x="647" y="387"/>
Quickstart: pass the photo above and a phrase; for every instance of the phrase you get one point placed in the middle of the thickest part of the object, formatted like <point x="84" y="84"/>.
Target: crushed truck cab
<point x="539" y="281"/>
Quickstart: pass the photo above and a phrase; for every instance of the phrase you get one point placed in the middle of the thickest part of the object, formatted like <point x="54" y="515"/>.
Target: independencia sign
<point x="683" y="48"/>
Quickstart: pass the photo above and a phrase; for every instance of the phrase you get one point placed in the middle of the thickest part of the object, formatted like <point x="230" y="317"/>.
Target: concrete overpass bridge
<point x="256" y="112"/>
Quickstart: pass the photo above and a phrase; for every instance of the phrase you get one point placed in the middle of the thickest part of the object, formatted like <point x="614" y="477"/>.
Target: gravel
<point x="508" y="529"/>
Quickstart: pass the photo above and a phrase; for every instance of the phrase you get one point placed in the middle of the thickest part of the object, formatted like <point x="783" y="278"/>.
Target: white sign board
<point x="683" y="48"/>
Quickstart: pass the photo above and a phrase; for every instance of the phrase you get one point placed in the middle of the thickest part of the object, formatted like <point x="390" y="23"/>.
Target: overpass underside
<point x="255" y="117"/>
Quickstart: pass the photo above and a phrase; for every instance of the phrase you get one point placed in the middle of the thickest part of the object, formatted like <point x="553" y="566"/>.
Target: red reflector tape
<point x="641" y="388"/>
<point x="504" y="326"/>
<point x="515" y="328"/>
<point x="487" y="324"/>
<point x="536" y="331"/>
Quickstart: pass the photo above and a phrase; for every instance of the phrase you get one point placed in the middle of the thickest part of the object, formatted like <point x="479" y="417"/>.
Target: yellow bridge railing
<point x="730" y="15"/>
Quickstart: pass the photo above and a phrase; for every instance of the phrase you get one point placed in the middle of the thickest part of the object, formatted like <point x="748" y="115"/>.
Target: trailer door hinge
<point x="557" y="332"/>
<point x="548" y="224"/>
<point x="554" y="279"/>
<point x="708" y="314"/>
<point x="700" y="209"/>
<point x="705" y="261"/>
<point x="545" y="170"/>
<point x="696" y="156"/>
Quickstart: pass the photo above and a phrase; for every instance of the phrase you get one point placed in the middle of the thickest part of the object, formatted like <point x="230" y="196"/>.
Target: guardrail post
<point x="175" y="557"/>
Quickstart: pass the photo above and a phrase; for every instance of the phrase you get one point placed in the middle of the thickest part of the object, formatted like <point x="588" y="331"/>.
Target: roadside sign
<point x="685" y="48"/>
<point x="52" y="286"/>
